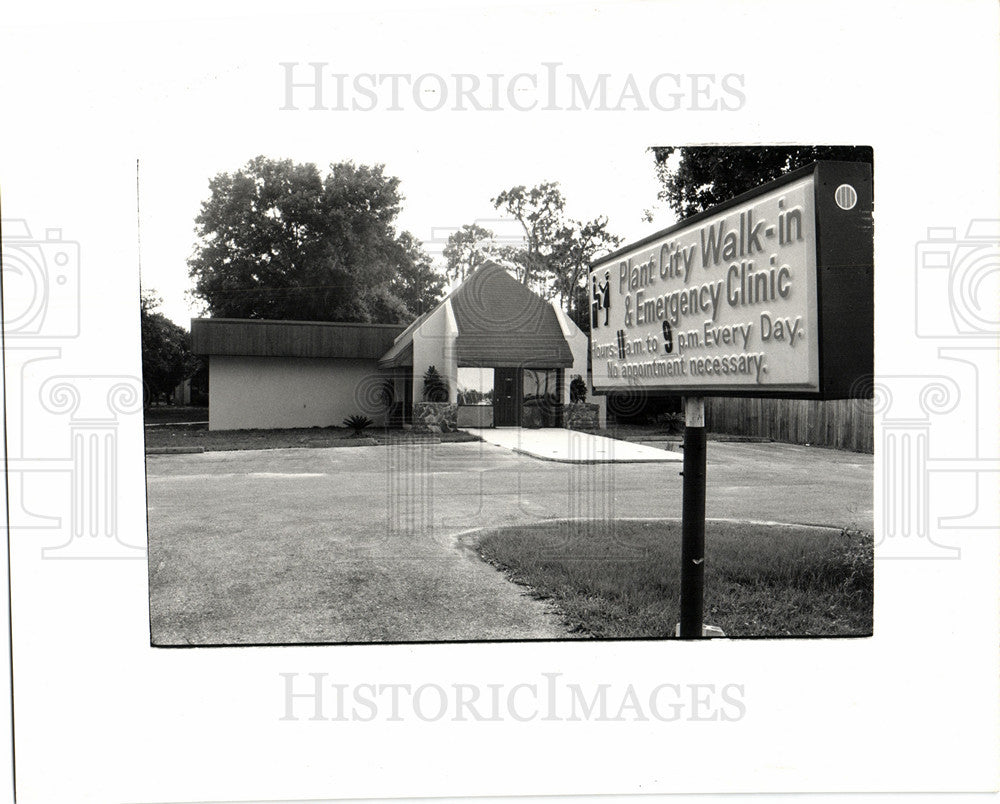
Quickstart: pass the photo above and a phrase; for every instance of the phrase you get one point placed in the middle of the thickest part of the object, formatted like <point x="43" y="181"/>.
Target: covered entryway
<point x="505" y="354"/>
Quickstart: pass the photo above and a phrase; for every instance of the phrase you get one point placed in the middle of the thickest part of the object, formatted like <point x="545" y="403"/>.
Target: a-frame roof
<point x="501" y="322"/>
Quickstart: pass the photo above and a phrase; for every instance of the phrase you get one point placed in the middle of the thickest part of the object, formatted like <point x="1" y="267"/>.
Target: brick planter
<point x="581" y="416"/>
<point x="435" y="417"/>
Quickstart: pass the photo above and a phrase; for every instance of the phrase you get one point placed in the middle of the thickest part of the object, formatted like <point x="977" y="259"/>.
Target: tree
<point x="166" y="350"/>
<point x="539" y="211"/>
<point x="510" y="258"/>
<point x="557" y="252"/>
<point x="468" y="248"/>
<point x="279" y="240"/>
<point x="416" y="283"/>
<point x="576" y="245"/>
<point x="703" y="176"/>
<point x="435" y="386"/>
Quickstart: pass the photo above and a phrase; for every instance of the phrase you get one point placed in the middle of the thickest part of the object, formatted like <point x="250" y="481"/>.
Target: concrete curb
<point x="584" y="461"/>
<point x="467" y="532"/>
<point x="430" y="441"/>
<point x="174" y="424"/>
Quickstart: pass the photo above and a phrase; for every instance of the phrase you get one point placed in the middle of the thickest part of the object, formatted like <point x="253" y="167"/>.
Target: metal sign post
<point x="693" y="520"/>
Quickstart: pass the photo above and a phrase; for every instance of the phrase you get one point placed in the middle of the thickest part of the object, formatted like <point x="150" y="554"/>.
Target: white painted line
<point x="221" y="475"/>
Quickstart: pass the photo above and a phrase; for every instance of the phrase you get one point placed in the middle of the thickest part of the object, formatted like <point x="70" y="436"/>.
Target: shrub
<point x="674" y="422"/>
<point x="358" y="423"/>
<point x="577" y="390"/>
<point x="638" y="406"/>
<point x="387" y="392"/>
<point x="435" y="386"/>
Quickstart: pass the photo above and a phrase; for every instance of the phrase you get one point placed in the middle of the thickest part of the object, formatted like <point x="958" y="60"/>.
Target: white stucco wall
<point x="280" y="392"/>
<point x="579" y="346"/>
<point x="435" y="344"/>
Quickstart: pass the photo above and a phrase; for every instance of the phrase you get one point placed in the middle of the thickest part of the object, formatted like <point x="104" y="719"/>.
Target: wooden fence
<point x="840" y="423"/>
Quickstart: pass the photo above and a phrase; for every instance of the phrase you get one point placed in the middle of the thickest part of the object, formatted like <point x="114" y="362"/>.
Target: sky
<point x="445" y="185"/>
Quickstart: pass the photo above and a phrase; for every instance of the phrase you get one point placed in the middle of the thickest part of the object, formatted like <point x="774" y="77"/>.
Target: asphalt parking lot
<point x="364" y="544"/>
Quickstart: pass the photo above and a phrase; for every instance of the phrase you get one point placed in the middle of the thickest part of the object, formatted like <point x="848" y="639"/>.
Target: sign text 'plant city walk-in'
<point x="767" y="295"/>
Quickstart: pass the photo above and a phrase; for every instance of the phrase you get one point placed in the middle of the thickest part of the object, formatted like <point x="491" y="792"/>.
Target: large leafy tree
<point x="696" y="178"/>
<point x="279" y="240"/>
<point x="468" y="248"/>
<point x="557" y="251"/>
<point x="539" y="210"/>
<point x="166" y="350"/>
<point x="416" y="282"/>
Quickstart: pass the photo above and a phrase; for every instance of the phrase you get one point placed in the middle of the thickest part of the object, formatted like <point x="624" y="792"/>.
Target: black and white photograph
<point x="355" y="442"/>
<point x="477" y="400"/>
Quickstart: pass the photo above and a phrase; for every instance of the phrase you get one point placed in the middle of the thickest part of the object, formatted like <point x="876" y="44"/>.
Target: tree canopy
<point x="539" y="210"/>
<point x="576" y="245"/>
<point x="279" y="240"/>
<point x="703" y="176"/>
<point x="554" y="255"/>
<point x="166" y="350"/>
<point x="468" y="248"/>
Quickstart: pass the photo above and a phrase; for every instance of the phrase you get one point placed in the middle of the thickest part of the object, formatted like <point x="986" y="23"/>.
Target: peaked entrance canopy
<point x="499" y="322"/>
<point x="520" y="343"/>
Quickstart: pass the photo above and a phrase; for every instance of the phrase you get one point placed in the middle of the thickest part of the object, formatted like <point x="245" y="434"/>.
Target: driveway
<point x="364" y="544"/>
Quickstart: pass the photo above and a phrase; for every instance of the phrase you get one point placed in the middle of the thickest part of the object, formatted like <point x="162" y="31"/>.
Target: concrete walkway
<point x="571" y="446"/>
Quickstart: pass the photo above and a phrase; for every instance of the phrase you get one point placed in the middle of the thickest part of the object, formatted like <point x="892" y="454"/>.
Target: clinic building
<point x="506" y="355"/>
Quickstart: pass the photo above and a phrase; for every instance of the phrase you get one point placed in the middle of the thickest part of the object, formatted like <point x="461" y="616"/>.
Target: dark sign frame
<point x="845" y="284"/>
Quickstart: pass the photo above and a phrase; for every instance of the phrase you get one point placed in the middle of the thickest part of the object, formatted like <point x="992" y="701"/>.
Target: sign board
<point x="770" y="294"/>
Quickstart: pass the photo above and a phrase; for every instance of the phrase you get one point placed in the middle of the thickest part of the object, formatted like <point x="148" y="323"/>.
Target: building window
<point x="540" y="403"/>
<point x="475" y="386"/>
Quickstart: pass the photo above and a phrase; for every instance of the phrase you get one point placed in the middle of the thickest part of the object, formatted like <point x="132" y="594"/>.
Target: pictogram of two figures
<point x="601" y="299"/>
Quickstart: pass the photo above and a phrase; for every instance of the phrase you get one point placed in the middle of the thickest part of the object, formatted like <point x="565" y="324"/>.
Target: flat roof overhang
<point x="273" y="338"/>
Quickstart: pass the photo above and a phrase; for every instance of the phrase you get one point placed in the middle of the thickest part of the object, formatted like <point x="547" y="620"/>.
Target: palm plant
<point x="358" y="423"/>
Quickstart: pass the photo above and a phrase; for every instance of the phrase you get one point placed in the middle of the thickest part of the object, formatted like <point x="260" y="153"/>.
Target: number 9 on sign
<point x="668" y="338"/>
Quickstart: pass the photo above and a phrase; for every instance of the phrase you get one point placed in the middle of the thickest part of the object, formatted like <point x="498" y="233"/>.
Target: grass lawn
<point x="622" y="579"/>
<point x="198" y="435"/>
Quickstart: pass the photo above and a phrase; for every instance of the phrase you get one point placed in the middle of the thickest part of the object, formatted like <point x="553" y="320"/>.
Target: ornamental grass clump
<point x="358" y="423"/>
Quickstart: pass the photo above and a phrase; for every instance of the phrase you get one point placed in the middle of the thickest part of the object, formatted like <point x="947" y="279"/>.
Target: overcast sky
<point x="219" y="105"/>
<point x="446" y="183"/>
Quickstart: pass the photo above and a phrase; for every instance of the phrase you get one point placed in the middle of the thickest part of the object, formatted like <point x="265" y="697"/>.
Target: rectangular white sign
<point x="725" y="304"/>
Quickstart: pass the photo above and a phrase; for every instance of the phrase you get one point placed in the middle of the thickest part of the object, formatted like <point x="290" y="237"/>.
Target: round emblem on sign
<point x="845" y="196"/>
